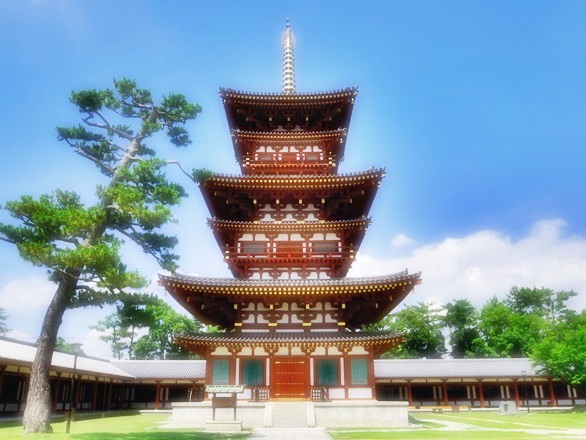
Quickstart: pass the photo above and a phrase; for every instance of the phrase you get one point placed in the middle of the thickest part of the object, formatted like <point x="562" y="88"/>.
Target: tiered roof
<point x="204" y="343"/>
<point x="341" y="196"/>
<point x="367" y="299"/>
<point x="275" y="111"/>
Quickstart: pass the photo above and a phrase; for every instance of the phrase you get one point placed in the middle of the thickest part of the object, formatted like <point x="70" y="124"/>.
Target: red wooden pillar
<point x="371" y="378"/>
<point x="157" y="395"/>
<point x="552" y="397"/>
<point x="108" y="391"/>
<point x="233" y="360"/>
<point x="95" y="395"/>
<point x="480" y="394"/>
<point x="2" y="368"/>
<point x="307" y="373"/>
<point x="55" y="397"/>
<point x="22" y="393"/>
<point x="345" y="363"/>
<point x="209" y="371"/>
<point x="409" y="393"/>
<point x="77" y="392"/>
<point x="445" y="392"/>
<point x="516" y="390"/>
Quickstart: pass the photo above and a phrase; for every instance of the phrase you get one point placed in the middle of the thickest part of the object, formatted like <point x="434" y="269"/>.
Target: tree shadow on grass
<point x="161" y="435"/>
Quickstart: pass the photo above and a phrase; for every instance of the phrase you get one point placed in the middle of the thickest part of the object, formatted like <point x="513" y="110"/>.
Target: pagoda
<point x="289" y="227"/>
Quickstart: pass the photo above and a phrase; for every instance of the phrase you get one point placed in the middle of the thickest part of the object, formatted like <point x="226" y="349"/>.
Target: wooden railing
<point x="289" y="254"/>
<point x="259" y="393"/>
<point x="320" y="393"/>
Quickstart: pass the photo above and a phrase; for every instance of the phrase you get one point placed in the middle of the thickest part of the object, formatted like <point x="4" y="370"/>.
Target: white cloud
<point x="486" y="263"/>
<point x="28" y="293"/>
<point x="92" y="345"/>
<point x="401" y="240"/>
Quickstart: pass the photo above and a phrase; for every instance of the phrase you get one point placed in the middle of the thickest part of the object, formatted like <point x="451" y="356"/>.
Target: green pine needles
<point x="80" y="244"/>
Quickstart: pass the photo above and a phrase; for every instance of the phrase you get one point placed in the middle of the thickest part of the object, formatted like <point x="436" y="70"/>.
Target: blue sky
<point x="476" y="109"/>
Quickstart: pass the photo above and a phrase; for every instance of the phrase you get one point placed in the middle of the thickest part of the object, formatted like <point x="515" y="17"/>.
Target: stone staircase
<point x="292" y="415"/>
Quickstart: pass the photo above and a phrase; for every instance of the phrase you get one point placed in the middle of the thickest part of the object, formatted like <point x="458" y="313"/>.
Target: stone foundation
<point x="338" y="414"/>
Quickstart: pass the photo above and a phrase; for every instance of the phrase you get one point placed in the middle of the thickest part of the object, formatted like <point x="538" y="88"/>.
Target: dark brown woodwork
<point x="310" y="112"/>
<point x="239" y="198"/>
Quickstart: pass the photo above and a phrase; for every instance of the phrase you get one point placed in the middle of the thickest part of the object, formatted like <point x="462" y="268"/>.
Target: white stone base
<point x="197" y="414"/>
<point x="338" y="414"/>
<point x="361" y="414"/>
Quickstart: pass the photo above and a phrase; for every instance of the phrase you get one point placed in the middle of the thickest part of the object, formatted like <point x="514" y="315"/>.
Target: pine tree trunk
<point x="37" y="413"/>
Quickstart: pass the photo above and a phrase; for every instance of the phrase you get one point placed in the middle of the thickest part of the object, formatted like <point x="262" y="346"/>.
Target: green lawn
<point x="429" y="426"/>
<point x="536" y="420"/>
<point x="127" y="427"/>
<point x="479" y="425"/>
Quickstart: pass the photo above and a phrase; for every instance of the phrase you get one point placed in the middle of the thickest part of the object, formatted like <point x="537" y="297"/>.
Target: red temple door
<point x="289" y="378"/>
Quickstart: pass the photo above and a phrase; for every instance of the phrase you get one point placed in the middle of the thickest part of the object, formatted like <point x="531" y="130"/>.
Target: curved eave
<point x="271" y="342"/>
<point x="343" y="196"/>
<point x="268" y="112"/>
<point x="367" y="299"/>
<point x="286" y="168"/>
<point x="261" y="97"/>
<point x="233" y="286"/>
<point x="288" y="137"/>
<point x="371" y="177"/>
<point x="300" y="227"/>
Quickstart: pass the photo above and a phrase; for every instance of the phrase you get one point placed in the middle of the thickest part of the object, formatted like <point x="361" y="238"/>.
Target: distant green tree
<point x="67" y="347"/>
<point x="134" y="315"/>
<point x="120" y="329"/>
<point x="421" y="326"/>
<point x="508" y="333"/>
<point x="164" y="325"/>
<point x="544" y="302"/>
<point x="113" y="333"/>
<point x="462" y="319"/>
<point x="3" y="326"/>
<point x="562" y="354"/>
<point x="80" y="245"/>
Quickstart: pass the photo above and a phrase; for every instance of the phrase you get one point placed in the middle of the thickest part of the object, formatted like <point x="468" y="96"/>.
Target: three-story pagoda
<point x="289" y="228"/>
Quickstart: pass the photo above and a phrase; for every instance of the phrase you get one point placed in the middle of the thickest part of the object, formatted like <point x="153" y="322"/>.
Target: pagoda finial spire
<point x="288" y="41"/>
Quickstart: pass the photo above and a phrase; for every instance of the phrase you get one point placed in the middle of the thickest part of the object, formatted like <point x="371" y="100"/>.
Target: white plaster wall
<point x="358" y="350"/>
<point x="336" y="393"/>
<point x="260" y="351"/>
<point x="221" y="351"/>
<point x="360" y="393"/>
<point x="249" y="320"/>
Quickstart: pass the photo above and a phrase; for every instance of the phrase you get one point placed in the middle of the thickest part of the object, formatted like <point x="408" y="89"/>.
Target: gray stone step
<point x="289" y="415"/>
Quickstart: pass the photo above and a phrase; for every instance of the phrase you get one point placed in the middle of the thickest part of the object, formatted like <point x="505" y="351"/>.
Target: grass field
<point x="480" y="425"/>
<point x="127" y="427"/>
<point x="425" y="426"/>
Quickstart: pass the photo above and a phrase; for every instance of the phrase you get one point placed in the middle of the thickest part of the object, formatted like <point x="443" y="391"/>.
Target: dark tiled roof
<point x="168" y="369"/>
<point x="299" y="227"/>
<point x="293" y="284"/>
<point x="297" y="181"/>
<point x="289" y="337"/>
<point x="347" y="92"/>
<point x="288" y="136"/>
<point x="452" y="368"/>
<point x="22" y="353"/>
